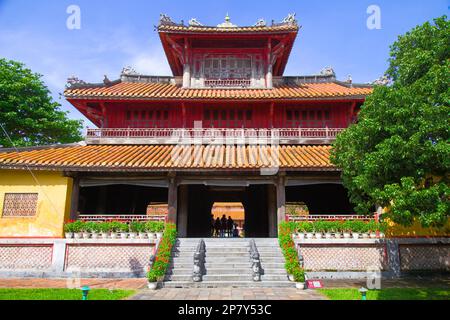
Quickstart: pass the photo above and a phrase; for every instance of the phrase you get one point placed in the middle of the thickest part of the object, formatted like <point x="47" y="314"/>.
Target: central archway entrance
<point x="201" y="200"/>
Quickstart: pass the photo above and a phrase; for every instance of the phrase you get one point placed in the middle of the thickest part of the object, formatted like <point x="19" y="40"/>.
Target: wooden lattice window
<point x="20" y="205"/>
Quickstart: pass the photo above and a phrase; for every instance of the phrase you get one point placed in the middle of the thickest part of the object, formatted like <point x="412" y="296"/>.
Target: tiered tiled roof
<point x="169" y="157"/>
<point x="248" y="29"/>
<point x="129" y="90"/>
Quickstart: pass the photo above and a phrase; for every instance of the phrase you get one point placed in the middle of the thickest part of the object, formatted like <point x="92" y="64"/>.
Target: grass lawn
<point x="389" y="294"/>
<point x="62" y="294"/>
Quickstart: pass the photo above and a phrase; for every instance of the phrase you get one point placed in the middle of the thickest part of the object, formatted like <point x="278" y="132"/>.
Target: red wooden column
<point x="173" y="200"/>
<point x="281" y="199"/>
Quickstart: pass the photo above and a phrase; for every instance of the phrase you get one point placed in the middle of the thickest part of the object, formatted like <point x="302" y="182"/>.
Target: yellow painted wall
<point x="53" y="203"/>
<point x="416" y="230"/>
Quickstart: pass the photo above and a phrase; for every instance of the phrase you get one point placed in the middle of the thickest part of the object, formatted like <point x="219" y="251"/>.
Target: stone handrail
<point x="199" y="262"/>
<point x="256" y="261"/>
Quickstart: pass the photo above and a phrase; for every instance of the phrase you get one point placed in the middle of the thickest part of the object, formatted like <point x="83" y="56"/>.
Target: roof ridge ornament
<point x="260" y="23"/>
<point x="195" y="23"/>
<point x="164" y="19"/>
<point x="129" y="71"/>
<point x="227" y="23"/>
<point x="327" y="71"/>
<point x="74" y="81"/>
<point x="382" y="81"/>
<point x="290" y="19"/>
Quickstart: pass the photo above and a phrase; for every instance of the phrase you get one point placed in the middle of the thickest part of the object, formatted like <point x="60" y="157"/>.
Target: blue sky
<point x="115" y="34"/>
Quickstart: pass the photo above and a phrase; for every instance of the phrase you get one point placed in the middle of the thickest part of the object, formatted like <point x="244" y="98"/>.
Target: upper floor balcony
<point x="295" y="136"/>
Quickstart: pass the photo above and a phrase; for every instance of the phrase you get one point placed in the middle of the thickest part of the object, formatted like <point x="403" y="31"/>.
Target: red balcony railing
<point x="211" y="135"/>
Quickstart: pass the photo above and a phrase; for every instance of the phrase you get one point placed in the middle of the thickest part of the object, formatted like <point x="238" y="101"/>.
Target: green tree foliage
<point x="27" y="111"/>
<point x="398" y="154"/>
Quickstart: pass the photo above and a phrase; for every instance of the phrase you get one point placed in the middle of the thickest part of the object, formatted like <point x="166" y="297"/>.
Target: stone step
<point x="226" y="284"/>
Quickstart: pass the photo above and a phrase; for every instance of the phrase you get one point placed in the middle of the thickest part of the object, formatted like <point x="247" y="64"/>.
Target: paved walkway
<point x="229" y="294"/>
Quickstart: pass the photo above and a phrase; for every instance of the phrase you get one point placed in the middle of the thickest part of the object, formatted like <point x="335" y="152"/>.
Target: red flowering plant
<point x="287" y="245"/>
<point x="162" y="260"/>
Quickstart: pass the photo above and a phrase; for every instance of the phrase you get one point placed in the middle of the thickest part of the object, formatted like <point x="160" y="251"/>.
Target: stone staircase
<point x="227" y="264"/>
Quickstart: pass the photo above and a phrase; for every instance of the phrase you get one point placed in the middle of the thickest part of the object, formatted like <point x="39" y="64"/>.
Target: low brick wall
<point x="394" y="257"/>
<point x="420" y="257"/>
<point x="79" y="258"/>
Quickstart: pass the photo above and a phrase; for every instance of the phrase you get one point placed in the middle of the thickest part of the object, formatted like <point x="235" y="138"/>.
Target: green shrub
<point x="75" y="227"/>
<point x="104" y="227"/>
<point x="92" y="227"/>
<point x="117" y="226"/>
<point x="136" y="226"/>
<point x="299" y="274"/>
<point x="152" y="226"/>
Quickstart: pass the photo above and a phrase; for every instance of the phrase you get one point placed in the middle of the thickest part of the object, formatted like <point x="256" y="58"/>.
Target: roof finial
<point x="227" y="23"/>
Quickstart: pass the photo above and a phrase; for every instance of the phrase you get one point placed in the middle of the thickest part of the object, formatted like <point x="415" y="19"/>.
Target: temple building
<point x="227" y="134"/>
<point x="228" y="126"/>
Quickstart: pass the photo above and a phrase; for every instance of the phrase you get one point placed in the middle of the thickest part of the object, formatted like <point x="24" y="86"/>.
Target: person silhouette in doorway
<point x="217" y="227"/>
<point x="230" y="224"/>
<point x="224" y="224"/>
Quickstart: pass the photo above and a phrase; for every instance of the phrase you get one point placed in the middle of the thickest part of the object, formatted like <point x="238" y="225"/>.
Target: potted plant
<point x="357" y="228"/>
<point x="318" y="229"/>
<point x="301" y="230"/>
<point x="115" y="229"/>
<point x="335" y="227"/>
<point x="159" y="228"/>
<point x="152" y="280"/>
<point x="150" y="229"/>
<point x="104" y="228"/>
<point x="347" y="229"/>
<point x="92" y="228"/>
<point x="299" y="278"/>
<point x="123" y="230"/>
<point x="290" y="269"/>
<point x="365" y="230"/>
<point x="309" y="230"/>
<point x="373" y="226"/>
<point x="68" y="230"/>
<point x="328" y="227"/>
<point x="77" y="228"/>
<point x="134" y="229"/>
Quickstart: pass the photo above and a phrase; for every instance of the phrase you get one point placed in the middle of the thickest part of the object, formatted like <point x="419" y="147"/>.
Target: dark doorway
<point x="202" y="199"/>
<point x="321" y="198"/>
<point x="119" y="199"/>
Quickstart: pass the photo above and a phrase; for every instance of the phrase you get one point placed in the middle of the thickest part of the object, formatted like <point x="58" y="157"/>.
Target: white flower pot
<point x="373" y="235"/>
<point x="133" y="235"/>
<point x="142" y="235"/>
<point x="291" y="277"/>
<point x="86" y="235"/>
<point x="300" y="285"/>
<point x="327" y="235"/>
<point x="95" y="235"/>
<point x="347" y="235"/>
<point x="301" y="236"/>
<point x="382" y="235"/>
<point x="113" y="235"/>
<point x="310" y="235"/>
<point x="104" y="235"/>
<point x="68" y="235"/>
<point x="318" y="235"/>
<point x="152" y="285"/>
<point x="337" y="235"/>
<point x="77" y="235"/>
<point x="365" y="236"/>
<point x="355" y="235"/>
<point x="123" y="235"/>
<point x="159" y="235"/>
